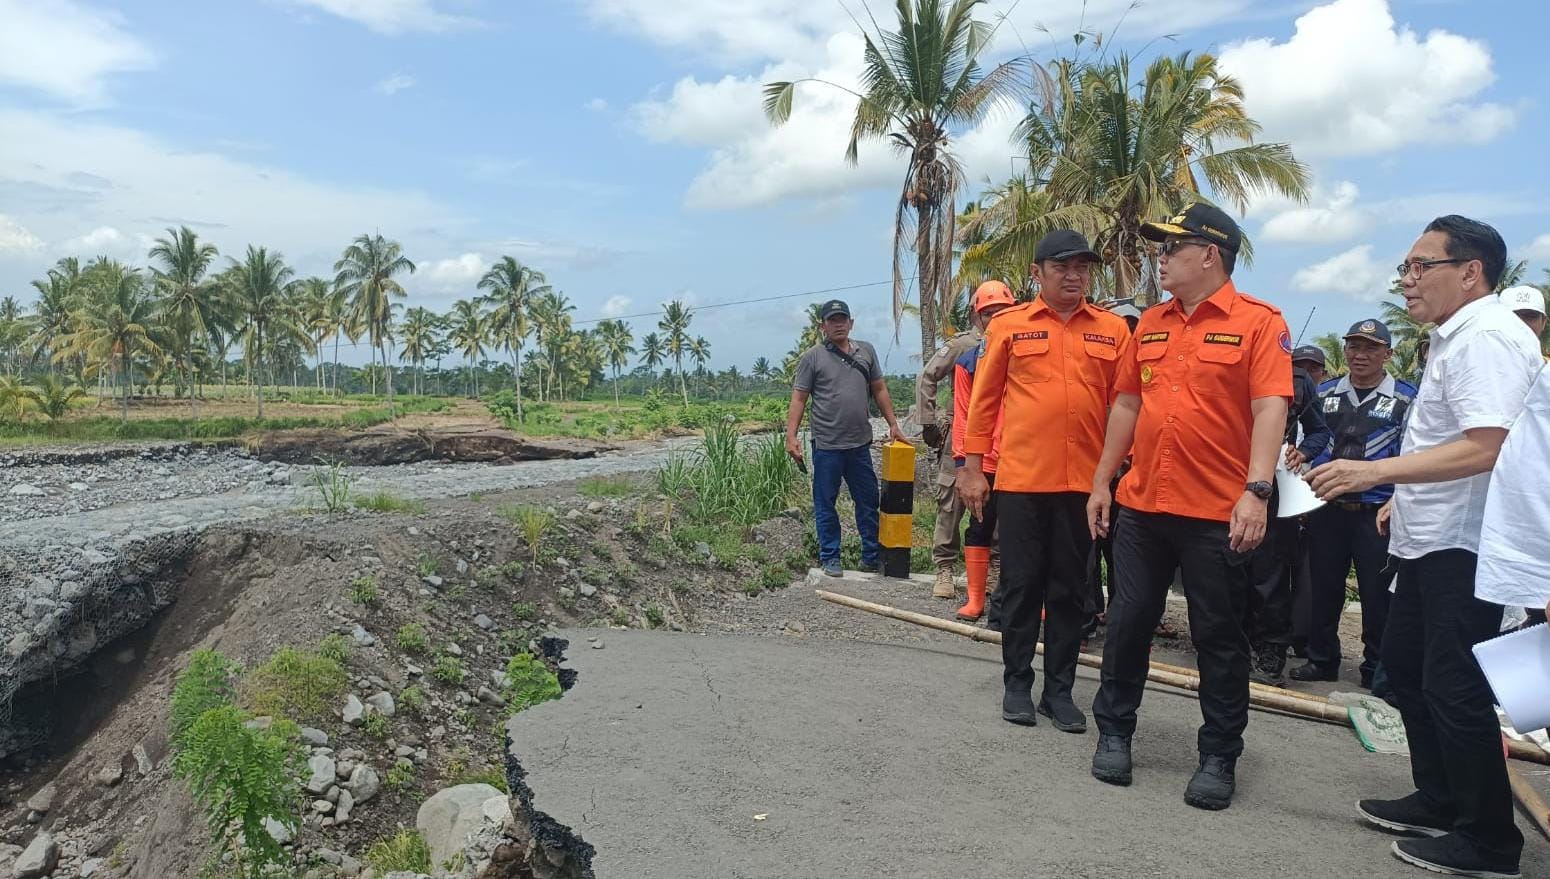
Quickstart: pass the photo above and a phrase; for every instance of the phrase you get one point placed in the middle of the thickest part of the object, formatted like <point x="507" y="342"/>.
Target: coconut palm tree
<point x="57" y="295"/>
<point x="315" y="298"/>
<point x="116" y="325"/>
<point x="1109" y="153"/>
<point x="652" y="353"/>
<point x="54" y="397"/>
<point x="1333" y="347"/>
<point x="14" y="329"/>
<point x="920" y="84"/>
<point x="674" y="325"/>
<point x="365" y="274"/>
<point x="551" y="313"/>
<point x="511" y="287"/>
<point x="259" y="287"/>
<point x="191" y="305"/>
<point x="470" y="332"/>
<point x="419" y="331"/>
<point x="762" y="371"/>
<point x="616" y="340"/>
<point x="699" y="351"/>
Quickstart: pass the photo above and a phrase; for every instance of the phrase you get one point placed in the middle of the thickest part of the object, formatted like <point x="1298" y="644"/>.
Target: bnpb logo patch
<point x="1286" y="341"/>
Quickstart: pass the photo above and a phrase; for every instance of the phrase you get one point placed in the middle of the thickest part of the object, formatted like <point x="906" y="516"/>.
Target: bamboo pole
<point x="1533" y="804"/>
<point x="1307" y="705"/>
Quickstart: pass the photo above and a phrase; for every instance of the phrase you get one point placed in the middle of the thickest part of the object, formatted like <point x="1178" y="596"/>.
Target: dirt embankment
<point x="391" y="444"/>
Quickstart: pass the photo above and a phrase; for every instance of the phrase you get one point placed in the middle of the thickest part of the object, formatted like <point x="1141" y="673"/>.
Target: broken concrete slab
<point x="817" y="757"/>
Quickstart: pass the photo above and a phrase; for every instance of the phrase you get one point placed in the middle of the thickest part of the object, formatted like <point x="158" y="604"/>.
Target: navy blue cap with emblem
<point x="1372" y="330"/>
<point x="833" y="307"/>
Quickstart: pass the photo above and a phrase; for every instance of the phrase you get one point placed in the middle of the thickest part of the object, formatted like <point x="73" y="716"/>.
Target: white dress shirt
<point x="1514" y="567"/>
<point x="1482" y="361"/>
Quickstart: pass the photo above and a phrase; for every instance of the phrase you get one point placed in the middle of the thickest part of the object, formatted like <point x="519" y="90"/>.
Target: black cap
<point x="1372" y="330"/>
<point x="833" y="307"/>
<point x="1202" y="220"/>
<point x="1309" y="352"/>
<point x="1063" y="244"/>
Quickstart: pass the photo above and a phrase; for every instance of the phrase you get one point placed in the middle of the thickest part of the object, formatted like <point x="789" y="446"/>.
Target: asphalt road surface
<point x="735" y="756"/>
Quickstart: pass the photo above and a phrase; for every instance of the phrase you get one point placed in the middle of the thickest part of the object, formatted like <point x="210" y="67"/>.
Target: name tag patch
<point x="1035" y="334"/>
<point x="1332" y="403"/>
<point x="1223" y="339"/>
<point x="1102" y="340"/>
<point x="1154" y="337"/>
<point x="1384" y="408"/>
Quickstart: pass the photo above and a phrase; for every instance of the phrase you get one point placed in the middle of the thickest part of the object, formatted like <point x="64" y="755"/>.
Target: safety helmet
<point x="992" y="293"/>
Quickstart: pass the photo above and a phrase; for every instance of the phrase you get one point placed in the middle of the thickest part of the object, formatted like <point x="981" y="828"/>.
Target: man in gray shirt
<point x="837" y="376"/>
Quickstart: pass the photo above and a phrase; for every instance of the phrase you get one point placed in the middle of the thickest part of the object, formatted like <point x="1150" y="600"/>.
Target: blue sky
<point x="618" y="144"/>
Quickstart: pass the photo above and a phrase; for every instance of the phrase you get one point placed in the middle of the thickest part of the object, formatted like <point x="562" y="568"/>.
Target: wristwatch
<point x="1260" y="490"/>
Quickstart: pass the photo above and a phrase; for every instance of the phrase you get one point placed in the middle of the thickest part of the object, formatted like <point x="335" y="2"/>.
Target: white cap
<point x="1524" y="298"/>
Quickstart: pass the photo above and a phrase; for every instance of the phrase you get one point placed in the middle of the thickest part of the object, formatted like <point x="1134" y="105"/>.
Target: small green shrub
<point x="408" y="851"/>
<point x="240" y="777"/>
<point x="524" y="611"/>
<point x="400" y="777"/>
<point x="529" y="682"/>
<point x="774" y="577"/>
<point x="207" y="682"/>
<point x="296" y="684"/>
<point x="492" y="777"/>
<point x="333" y="487"/>
<point x="376" y="726"/>
<point x="413" y="700"/>
<point x="426" y="565"/>
<point x="363" y="591"/>
<point x="654" y="616"/>
<point x="386" y="502"/>
<point x="413" y="639"/>
<point x="490" y="577"/>
<point x="448" y="670"/>
<point x="513" y="570"/>
<point x="620" y="617"/>
<point x="335" y="646"/>
<point x="532" y="523"/>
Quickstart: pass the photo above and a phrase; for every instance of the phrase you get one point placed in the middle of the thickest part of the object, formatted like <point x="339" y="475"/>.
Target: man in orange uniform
<point x="1203" y="395"/>
<point x="1047" y="377"/>
<point x="990" y="299"/>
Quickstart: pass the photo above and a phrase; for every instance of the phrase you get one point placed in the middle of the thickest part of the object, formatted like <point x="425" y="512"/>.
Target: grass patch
<point x="492" y="777"/>
<point x="413" y="700"/>
<point x="407" y="851"/>
<point x="524" y="611"/>
<point x="387" y="502"/>
<point x="448" y="669"/>
<point x="412" y="638"/>
<point x="363" y="591"/>
<point x="296" y="684"/>
<point x="607" y="486"/>
<point x="729" y="481"/>
<point x="336" y="646"/>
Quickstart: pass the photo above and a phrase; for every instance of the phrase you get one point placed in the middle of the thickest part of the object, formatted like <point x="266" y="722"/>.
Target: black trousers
<point x="1455" y="739"/>
<point x="1337" y="539"/>
<point x="1044" y="546"/>
<point x="1269" y="610"/>
<point x="1148" y="548"/>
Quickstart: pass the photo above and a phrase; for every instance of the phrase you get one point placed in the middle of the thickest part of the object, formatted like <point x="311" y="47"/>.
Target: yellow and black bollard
<point x="897" y="523"/>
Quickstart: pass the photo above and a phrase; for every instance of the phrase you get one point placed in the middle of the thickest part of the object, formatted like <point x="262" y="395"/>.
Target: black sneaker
<point x="1017" y="707"/>
<point x="1453" y="855"/>
<point x="1269" y="665"/>
<point x="1213" y="783"/>
<point x="868" y="567"/>
<point x="832" y="569"/>
<point x="1411" y="815"/>
<point x="1111" y="761"/>
<point x="1064" y="714"/>
<point x="1313" y="671"/>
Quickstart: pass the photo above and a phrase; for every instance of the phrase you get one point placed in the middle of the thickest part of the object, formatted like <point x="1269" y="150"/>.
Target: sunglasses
<point x="1172" y="245"/>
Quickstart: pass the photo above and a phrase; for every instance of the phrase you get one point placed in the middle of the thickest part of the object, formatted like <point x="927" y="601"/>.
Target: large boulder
<point x="39" y="858"/>
<point x="446" y="819"/>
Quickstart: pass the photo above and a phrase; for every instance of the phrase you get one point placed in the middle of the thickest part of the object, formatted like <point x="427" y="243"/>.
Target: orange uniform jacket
<point x="1196" y="377"/>
<point x="963" y="392"/>
<point x="1050" y="384"/>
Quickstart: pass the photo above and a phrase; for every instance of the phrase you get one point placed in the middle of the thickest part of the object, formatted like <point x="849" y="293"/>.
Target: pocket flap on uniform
<point x="1028" y="347"/>
<point x="1151" y="350"/>
<point x="1100" y="351"/>
<point x="1219" y="353"/>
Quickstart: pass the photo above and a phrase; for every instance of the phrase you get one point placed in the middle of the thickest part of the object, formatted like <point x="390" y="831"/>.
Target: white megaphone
<point x="1295" y="495"/>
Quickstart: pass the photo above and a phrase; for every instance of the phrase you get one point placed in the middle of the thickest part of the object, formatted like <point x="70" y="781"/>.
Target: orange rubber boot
<point x="976" y="562"/>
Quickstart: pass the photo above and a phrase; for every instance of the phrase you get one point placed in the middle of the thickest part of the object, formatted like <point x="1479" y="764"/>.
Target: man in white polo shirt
<point x="1483" y="360"/>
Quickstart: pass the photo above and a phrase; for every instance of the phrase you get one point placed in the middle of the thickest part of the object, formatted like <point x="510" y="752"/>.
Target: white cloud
<point x="460" y="274"/>
<point x="110" y="242"/>
<point x="392" y="16"/>
<point x="1354" y="273"/>
<point x="1351" y="82"/>
<point x="615" y="306"/>
<point x="14" y="237"/>
<point x="596" y="105"/>
<point x="66" y="49"/>
<point x="1333" y="217"/>
<point x="1538" y="250"/>
<point x="42" y="158"/>
<point x="394" y="84"/>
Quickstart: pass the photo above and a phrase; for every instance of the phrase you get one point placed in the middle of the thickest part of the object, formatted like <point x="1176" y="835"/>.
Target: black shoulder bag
<point x="853" y="363"/>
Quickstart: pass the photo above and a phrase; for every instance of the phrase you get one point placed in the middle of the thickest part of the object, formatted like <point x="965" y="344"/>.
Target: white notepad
<point x="1518" y="668"/>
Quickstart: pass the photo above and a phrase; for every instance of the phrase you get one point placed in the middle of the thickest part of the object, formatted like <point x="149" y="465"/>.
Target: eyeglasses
<point x="1419" y="266"/>
<point x="1172" y="245"/>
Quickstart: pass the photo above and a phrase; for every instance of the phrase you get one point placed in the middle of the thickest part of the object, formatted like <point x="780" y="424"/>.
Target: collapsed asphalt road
<point x="683" y="756"/>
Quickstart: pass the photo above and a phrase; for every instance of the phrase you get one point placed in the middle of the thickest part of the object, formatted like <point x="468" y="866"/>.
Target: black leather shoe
<point x="1017" y="707"/>
<point x="1411" y="815"/>
<point x="1312" y="671"/>
<point x="1213" y="783"/>
<point x="1063" y="714"/>
<point x="1453" y="855"/>
<point x="1269" y="665"/>
<point x="1111" y="761"/>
